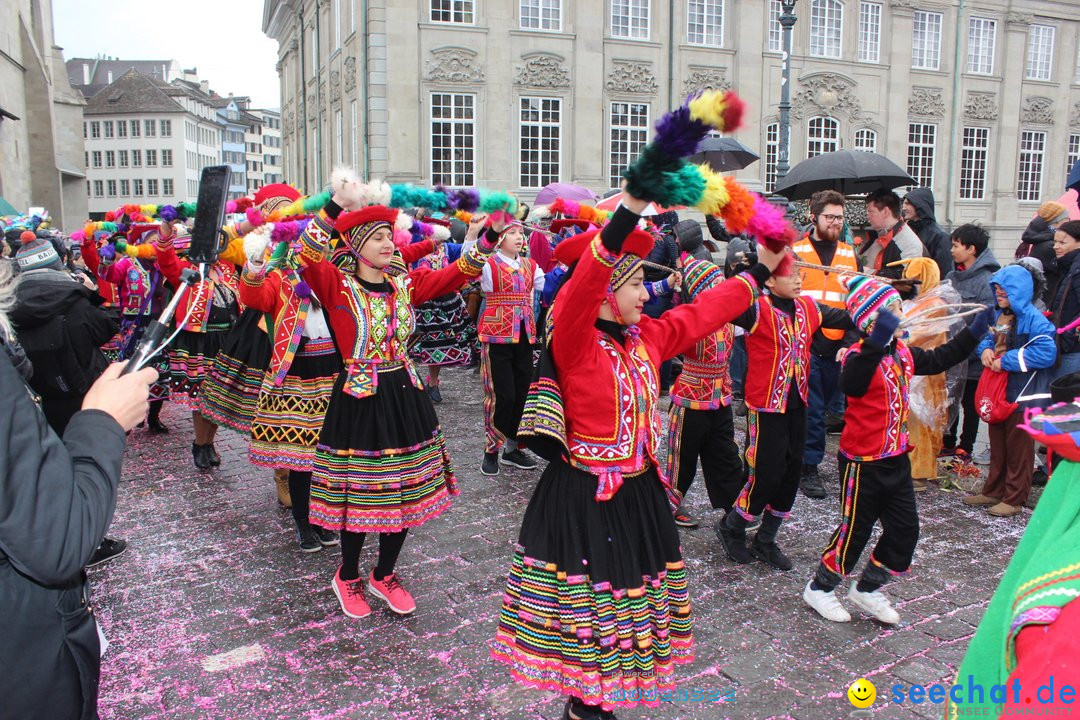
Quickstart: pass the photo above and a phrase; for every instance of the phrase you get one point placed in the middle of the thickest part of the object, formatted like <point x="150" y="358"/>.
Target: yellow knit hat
<point x="1052" y="212"/>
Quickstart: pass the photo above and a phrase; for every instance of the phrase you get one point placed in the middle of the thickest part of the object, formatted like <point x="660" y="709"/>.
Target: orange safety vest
<point x="825" y="287"/>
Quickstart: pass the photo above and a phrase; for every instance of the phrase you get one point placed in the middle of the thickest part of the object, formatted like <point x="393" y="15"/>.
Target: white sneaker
<point x="982" y="458"/>
<point x="874" y="603"/>
<point x="826" y="604"/>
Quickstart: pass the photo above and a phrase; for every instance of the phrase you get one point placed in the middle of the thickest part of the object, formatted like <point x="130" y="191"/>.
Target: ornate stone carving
<point x="294" y="45"/>
<point x="1074" y="119"/>
<point x="287" y="122"/>
<point x="1037" y="110"/>
<point x="706" y="78"/>
<point x="454" y="65"/>
<point x="981" y="106"/>
<point x="312" y="108"/>
<point x="905" y="4"/>
<point x="335" y="86"/>
<point x="278" y="65"/>
<point x="542" y="70"/>
<point x="826" y="94"/>
<point x="350" y="73"/>
<point x="1018" y="18"/>
<point x="926" y="102"/>
<point x="633" y="77"/>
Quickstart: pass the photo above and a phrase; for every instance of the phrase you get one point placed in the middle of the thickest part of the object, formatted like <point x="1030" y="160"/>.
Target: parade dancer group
<point x="308" y="333"/>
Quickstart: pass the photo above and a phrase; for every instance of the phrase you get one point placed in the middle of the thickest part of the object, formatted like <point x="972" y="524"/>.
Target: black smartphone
<point x="209" y="214"/>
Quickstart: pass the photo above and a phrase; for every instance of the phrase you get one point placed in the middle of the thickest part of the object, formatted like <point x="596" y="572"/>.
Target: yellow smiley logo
<point x="862" y="693"/>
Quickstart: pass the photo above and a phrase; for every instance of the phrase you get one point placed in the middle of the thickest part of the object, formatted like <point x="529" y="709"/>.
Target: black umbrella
<point x="851" y="172"/>
<point x="723" y="154"/>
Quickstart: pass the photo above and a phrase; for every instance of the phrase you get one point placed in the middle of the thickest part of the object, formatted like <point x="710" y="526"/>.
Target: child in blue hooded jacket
<point x="1021" y="343"/>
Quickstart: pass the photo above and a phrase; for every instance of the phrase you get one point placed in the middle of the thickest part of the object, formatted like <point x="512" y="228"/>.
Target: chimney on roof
<point x="109" y="80"/>
<point x="85" y="73"/>
<point x="204" y="86"/>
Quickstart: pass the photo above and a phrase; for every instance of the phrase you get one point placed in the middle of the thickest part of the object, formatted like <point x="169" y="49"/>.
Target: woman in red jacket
<point x="214" y="310"/>
<point x="596" y="604"/>
<point x="381" y="464"/>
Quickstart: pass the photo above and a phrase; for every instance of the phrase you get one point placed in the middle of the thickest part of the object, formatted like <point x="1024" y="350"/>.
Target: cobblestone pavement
<point x="214" y="613"/>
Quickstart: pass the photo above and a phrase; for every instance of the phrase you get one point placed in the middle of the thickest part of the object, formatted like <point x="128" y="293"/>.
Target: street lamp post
<point x="787" y="22"/>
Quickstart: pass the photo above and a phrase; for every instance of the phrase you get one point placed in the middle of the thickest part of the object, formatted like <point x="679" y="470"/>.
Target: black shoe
<point x="770" y="554"/>
<point x="107" y="550"/>
<point x="156" y="426"/>
<point x="734" y="546"/>
<point x="684" y="519"/>
<point x="309" y="541"/>
<point x="1039" y="479"/>
<point x="490" y="466"/>
<point x="198" y="453"/>
<point x="434" y="394"/>
<point x="212" y="456"/>
<point x="834" y="424"/>
<point x="740" y="407"/>
<point x="811" y="484"/>
<point x="577" y="709"/>
<point x="518" y="459"/>
<point x="327" y="538"/>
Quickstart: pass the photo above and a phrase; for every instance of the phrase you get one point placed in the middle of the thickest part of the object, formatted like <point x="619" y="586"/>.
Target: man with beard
<point x="821" y="246"/>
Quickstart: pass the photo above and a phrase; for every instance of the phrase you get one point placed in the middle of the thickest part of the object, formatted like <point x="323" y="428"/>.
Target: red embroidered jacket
<point x="876" y="382"/>
<point x="372" y="329"/>
<point x="509" y="304"/>
<point x="610" y="390"/>
<point x="108" y="292"/>
<point x="705" y="382"/>
<point x="202" y="294"/>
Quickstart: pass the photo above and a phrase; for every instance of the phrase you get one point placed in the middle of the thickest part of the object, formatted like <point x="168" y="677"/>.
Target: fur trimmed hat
<point x="359" y="225"/>
<point x="636" y="247"/>
<point x="270" y="197"/>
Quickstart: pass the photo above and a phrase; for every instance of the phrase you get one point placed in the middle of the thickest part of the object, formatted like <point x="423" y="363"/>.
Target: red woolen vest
<point x="875" y="425"/>
<point x="777" y="351"/>
<point x="510" y="302"/>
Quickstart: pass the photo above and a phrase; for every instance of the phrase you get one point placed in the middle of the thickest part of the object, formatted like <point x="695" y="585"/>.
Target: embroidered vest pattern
<point x="383" y="324"/>
<point x="784" y="340"/>
<point x="509" y="304"/>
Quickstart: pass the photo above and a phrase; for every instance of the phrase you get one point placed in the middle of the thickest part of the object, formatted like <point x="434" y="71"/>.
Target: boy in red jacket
<point x="875" y="472"/>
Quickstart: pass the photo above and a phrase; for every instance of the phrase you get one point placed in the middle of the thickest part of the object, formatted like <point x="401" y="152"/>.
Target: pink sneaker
<point x="390" y="590"/>
<point x="350" y="593"/>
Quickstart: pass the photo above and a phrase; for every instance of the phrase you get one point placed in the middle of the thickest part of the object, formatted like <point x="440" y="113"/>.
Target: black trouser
<point x="507" y="370"/>
<point x="300" y="494"/>
<point x="774" y="460"/>
<point x="971" y="419"/>
<point x="872" y="491"/>
<point x="708" y="435"/>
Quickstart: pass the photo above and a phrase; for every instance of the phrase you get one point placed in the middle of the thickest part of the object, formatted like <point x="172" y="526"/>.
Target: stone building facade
<point x="41" y="143"/>
<point x="979" y="99"/>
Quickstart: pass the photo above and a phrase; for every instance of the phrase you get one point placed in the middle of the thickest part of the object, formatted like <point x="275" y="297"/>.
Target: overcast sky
<point x="223" y="39"/>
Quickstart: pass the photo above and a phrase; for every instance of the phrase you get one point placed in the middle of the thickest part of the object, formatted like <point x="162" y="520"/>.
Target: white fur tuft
<point x="440" y="233"/>
<point x="346" y="185"/>
<point x="256" y="242"/>
<point x="404" y="221"/>
<point x="540" y="212"/>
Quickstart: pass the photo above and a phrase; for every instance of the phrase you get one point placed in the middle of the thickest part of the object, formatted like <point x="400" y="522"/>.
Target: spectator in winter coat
<point x="894" y="241"/>
<point x="918" y="211"/>
<point x="58" y="496"/>
<point x="975" y="264"/>
<point x="1038" y="242"/>
<point x="691" y="241"/>
<point x="1021" y="343"/>
<point x="1065" y="304"/>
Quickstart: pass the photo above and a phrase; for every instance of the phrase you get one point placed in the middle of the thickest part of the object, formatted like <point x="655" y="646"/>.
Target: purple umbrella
<point x="566" y="191"/>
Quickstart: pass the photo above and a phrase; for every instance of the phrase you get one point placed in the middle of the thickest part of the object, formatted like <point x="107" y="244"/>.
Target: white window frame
<point x="774" y="31"/>
<point x="110" y="158"/>
<point x="461" y="171"/>
<point x="96" y="155"/>
<point x="926" y="49"/>
<point x="167" y="187"/>
<point x="335" y="18"/>
<point x="452" y="8"/>
<point x="698" y="14"/>
<point x="354" y="132"/>
<point x="121" y="129"/>
<point x="772" y="155"/>
<point x="1031" y="162"/>
<point x="135" y="129"/>
<point x="108" y="130"/>
<point x="165" y="128"/>
<point x="826" y="28"/>
<point x="866" y="140"/>
<point x="99" y="188"/>
<point x="110" y="188"/>
<point x="822" y="135"/>
<point x="339" y="137"/>
<point x="1072" y="155"/>
<point x="974" y="162"/>
<point x="869" y="42"/>
<point x="634" y="136"/>
<point x="137" y="188"/>
<point x="1040" y="52"/>
<point x="125" y="188"/>
<point x="982" y="44"/>
<point x="149" y="128"/>
<point x="634" y="12"/>
<point x="542" y="178"/>
<point x="95" y="129"/>
<point x="551" y="22"/>
<point x="152" y="187"/>
<point x="166" y="157"/>
<point x="921" y="153"/>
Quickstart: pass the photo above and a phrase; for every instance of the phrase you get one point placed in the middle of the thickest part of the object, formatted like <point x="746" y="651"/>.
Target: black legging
<point x="300" y="492"/>
<point x="389" y="549"/>
<point x="970" y="428"/>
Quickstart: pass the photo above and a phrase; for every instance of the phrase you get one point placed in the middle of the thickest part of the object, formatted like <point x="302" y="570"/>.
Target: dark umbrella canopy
<point x="1073" y="183"/>
<point x="723" y="154"/>
<point x="851" y="172"/>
